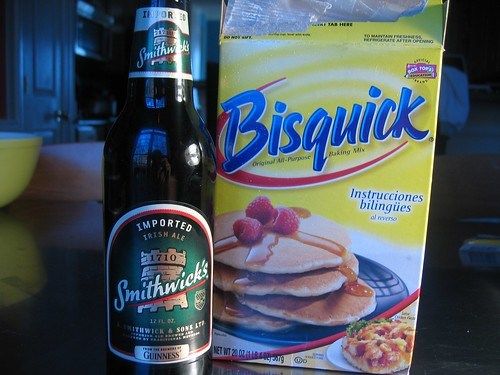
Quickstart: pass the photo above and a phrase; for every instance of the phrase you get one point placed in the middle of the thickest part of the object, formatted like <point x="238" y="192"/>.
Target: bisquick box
<point x="325" y="146"/>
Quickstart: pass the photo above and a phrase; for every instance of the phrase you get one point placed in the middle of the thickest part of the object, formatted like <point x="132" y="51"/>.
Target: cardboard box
<point x="325" y="151"/>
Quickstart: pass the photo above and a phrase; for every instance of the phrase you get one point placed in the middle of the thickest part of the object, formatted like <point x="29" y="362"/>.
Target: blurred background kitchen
<point x="64" y="64"/>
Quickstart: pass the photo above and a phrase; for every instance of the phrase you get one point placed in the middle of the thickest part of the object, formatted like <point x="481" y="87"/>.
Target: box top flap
<point x="415" y="23"/>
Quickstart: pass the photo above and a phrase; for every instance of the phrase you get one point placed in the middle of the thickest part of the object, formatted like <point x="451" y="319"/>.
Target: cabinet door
<point x="48" y="69"/>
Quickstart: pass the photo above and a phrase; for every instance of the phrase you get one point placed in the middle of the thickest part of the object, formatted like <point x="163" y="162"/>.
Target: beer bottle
<point x="159" y="173"/>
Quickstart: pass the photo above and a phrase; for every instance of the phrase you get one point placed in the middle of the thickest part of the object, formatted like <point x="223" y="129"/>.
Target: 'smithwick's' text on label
<point x="153" y="290"/>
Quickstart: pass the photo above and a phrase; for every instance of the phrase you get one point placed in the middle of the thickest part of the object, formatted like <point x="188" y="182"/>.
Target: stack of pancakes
<point x="307" y="277"/>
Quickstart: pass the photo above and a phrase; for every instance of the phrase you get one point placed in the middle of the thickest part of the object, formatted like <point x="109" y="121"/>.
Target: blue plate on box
<point x="389" y="291"/>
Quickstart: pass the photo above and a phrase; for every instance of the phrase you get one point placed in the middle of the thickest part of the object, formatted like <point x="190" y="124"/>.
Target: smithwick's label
<point x="161" y="46"/>
<point x="159" y="274"/>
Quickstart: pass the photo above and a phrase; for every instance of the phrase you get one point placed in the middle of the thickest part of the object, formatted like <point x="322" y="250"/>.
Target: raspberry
<point x="248" y="230"/>
<point x="261" y="209"/>
<point x="286" y="221"/>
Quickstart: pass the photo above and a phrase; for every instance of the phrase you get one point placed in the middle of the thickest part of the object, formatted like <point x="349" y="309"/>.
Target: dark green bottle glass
<point x="159" y="173"/>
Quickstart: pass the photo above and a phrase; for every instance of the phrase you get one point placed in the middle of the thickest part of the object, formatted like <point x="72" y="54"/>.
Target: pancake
<point x="227" y="309"/>
<point x="337" y="308"/>
<point x="318" y="243"/>
<point x="312" y="283"/>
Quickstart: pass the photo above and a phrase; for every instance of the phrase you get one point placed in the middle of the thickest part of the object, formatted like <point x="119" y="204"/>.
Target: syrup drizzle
<point x="352" y="285"/>
<point x="302" y="213"/>
<point x="234" y="308"/>
<point x="357" y="289"/>
<point x="349" y="273"/>
<point x="259" y="255"/>
<point x="261" y="252"/>
<point x="226" y="244"/>
<point x="244" y="281"/>
<point x="322" y="243"/>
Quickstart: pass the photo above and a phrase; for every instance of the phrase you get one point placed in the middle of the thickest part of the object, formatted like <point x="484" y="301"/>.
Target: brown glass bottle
<point x="159" y="173"/>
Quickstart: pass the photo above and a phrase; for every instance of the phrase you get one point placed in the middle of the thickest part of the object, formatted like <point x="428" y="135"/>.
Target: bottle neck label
<point x="161" y="47"/>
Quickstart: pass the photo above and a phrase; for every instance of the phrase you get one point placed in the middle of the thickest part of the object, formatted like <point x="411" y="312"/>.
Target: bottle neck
<point x="160" y="64"/>
<point x="159" y="92"/>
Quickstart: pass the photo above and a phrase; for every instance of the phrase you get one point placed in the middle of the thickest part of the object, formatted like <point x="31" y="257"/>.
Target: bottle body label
<point x="161" y="47"/>
<point x="159" y="276"/>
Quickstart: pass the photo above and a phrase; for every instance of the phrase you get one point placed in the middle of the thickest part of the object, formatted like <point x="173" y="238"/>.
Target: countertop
<point x="52" y="297"/>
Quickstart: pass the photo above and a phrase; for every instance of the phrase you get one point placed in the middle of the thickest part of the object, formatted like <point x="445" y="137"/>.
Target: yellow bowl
<point x="18" y="158"/>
